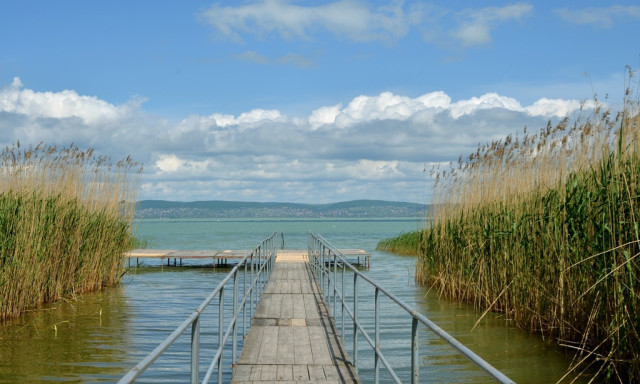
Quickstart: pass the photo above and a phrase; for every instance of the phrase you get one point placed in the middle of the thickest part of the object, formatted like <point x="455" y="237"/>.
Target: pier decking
<point x="221" y="257"/>
<point x="292" y="337"/>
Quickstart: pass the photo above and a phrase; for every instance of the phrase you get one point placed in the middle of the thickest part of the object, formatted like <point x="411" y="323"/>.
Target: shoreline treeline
<point x="65" y="223"/>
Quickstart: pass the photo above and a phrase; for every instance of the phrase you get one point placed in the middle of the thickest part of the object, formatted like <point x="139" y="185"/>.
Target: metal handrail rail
<point x="259" y="264"/>
<point x="324" y="258"/>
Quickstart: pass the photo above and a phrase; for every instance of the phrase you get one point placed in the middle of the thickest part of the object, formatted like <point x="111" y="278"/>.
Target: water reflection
<point x="523" y="357"/>
<point x="71" y="341"/>
<point x="102" y="335"/>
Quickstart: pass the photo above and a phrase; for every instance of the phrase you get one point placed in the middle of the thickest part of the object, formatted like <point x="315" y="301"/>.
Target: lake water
<point x="98" y="337"/>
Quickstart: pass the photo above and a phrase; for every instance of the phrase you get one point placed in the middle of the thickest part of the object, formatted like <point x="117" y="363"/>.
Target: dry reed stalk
<point x="553" y="217"/>
<point x="65" y="219"/>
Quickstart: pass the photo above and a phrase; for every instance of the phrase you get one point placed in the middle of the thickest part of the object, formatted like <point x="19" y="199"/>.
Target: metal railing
<point x="258" y="265"/>
<point x="326" y="260"/>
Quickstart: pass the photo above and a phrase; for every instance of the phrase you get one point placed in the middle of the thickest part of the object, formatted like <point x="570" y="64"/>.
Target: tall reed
<point x="546" y="229"/>
<point x="404" y="244"/>
<point x="65" y="220"/>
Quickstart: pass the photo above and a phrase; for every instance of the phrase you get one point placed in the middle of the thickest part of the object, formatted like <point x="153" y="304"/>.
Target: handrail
<point x="259" y="264"/>
<point x="324" y="258"/>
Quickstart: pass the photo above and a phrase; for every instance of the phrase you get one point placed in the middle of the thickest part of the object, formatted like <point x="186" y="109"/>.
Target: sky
<point x="302" y="101"/>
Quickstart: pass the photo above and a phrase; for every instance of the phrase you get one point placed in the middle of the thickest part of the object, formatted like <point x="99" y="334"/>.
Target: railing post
<point x="220" y="332"/>
<point x="377" y="336"/>
<point x="326" y="272"/>
<point x="234" y="350"/>
<point x="244" y="305"/>
<point x="355" y="321"/>
<point x="195" y="350"/>
<point x="335" y="287"/>
<point x="322" y="267"/>
<point x="415" y="360"/>
<point x="252" y="289"/>
<point x="343" y="299"/>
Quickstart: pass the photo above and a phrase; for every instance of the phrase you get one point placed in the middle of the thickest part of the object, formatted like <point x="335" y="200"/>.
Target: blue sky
<point x="315" y="101"/>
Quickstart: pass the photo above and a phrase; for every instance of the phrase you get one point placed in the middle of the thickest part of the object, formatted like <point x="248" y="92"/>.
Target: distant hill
<point x="153" y="209"/>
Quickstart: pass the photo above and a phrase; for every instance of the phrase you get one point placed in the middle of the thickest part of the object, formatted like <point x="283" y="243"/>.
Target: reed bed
<point x="545" y="228"/>
<point x="404" y="244"/>
<point x="65" y="223"/>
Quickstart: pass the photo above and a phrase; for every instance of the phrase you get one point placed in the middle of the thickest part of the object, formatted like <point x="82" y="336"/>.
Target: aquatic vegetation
<point x="545" y="228"/>
<point x="407" y="243"/>
<point x="65" y="223"/>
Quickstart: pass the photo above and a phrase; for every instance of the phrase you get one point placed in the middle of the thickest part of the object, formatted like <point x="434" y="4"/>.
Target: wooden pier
<point x="292" y="337"/>
<point x="224" y="257"/>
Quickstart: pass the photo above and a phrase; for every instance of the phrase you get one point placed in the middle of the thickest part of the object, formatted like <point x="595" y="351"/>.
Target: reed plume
<point x="544" y="227"/>
<point x="65" y="221"/>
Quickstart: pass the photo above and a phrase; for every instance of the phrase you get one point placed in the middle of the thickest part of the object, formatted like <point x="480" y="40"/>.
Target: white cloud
<point x="487" y="101"/>
<point x="351" y="19"/>
<point x="172" y="164"/>
<point x="388" y="106"/>
<point x="368" y="147"/>
<point x="475" y="25"/>
<point x="14" y="98"/>
<point x="355" y="21"/>
<point x="324" y="116"/>
<point x="603" y="17"/>
<point x="555" y="107"/>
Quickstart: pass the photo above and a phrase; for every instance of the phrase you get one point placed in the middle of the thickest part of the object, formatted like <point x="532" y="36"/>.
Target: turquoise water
<point x="98" y="337"/>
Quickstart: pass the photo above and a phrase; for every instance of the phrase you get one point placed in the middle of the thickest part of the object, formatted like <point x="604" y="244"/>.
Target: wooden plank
<point x="292" y="338"/>
<point x="251" y="348"/>
<point x="287" y="309"/>
<point x="275" y="304"/>
<point x="269" y="372"/>
<point x="310" y="307"/>
<point x="285" y="372"/>
<point x="299" y="309"/>
<point x="300" y="372"/>
<point x="242" y="373"/>
<point x="268" y="346"/>
<point x="263" y="306"/>
<point x="285" y="350"/>
<point x="302" y="346"/>
<point x="319" y="347"/>
<point x="316" y="372"/>
<point x="256" y="372"/>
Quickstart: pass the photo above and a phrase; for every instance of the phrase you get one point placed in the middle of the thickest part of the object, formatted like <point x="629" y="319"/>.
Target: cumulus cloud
<point x="388" y="106"/>
<point x="475" y="25"/>
<point x="15" y="98"/>
<point x="603" y="17"/>
<point x="351" y="19"/>
<point x="373" y="146"/>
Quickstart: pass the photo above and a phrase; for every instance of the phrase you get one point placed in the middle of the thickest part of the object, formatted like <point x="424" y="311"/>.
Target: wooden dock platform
<point x="292" y="337"/>
<point x="223" y="257"/>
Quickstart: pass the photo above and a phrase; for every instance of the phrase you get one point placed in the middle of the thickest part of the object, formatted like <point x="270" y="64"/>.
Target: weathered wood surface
<point x="217" y="253"/>
<point x="223" y="256"/>
<point x="292" y="338"/>
<point x="186" y="254"/>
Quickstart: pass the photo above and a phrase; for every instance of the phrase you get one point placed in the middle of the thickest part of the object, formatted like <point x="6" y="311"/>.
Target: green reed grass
<point x="65" y="223"/>
<point x="546" y="230"/>
<point x="407" y="243"/>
